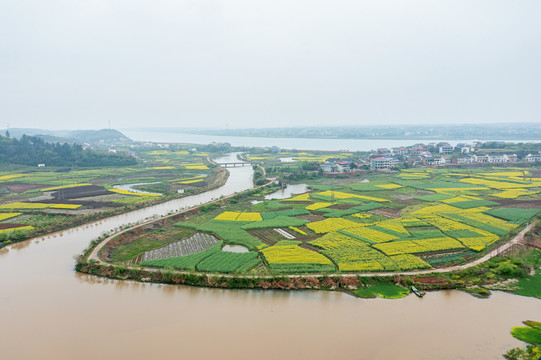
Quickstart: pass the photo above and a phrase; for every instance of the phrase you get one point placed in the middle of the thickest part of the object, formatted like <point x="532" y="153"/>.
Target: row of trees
<point x="30" y="150"/>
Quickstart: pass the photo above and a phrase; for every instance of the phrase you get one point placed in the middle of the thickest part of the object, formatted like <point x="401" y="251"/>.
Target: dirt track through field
<point x="490" y="255"/>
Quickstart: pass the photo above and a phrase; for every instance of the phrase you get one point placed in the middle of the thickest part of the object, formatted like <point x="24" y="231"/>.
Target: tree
<point x="7" y="133"/>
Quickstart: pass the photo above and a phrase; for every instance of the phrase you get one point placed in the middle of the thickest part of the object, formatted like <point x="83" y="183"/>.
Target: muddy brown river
<point x="48" y="311"/>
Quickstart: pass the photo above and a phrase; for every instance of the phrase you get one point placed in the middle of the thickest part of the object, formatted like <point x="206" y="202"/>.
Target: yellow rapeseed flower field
<point x="292" y="254"/>
<point x="302" y="197"/>
<point x="389" y="186"/>
<point x="17" y="228"/>
<point x="318" y="205"/>
<point x="5" y="216"/>
<point x="237" y="216"/>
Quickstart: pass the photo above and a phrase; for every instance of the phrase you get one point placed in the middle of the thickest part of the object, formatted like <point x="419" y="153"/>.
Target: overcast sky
<point x="79" y="64"/>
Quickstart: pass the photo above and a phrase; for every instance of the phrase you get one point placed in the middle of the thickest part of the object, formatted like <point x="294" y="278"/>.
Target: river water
<point x="48" y="311"/>
<point x="288" y="143"/>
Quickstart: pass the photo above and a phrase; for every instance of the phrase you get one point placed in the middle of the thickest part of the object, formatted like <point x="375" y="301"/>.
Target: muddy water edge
<point x="48" y="311"/>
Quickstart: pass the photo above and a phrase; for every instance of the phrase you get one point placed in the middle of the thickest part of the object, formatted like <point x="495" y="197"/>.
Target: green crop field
<point x="376" y="226"/>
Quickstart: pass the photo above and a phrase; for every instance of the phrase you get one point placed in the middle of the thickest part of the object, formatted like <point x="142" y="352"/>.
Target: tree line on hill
<point x="30" y="150"/>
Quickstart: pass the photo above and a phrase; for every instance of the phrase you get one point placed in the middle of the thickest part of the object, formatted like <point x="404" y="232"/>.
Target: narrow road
<point x="493" y="253"/>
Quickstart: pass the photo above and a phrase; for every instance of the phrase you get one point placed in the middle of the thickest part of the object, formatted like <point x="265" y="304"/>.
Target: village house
<point x="400" y="151"/>
<point x="464" y="148"/>
<point x="444" y="148"/>
<point x="434" y="161"/>
<point x="463" y="160"/>
<point x="511" y="157"/>
<point x="382" y="163"/>
<point x="330" y="167"/>
<point x="532" y="157"/>
<point x="418" y="150"/>
<point x="345" y="166"/>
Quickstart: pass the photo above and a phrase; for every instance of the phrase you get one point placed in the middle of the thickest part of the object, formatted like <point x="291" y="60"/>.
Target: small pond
<point x="289" y="191"/>
<point x="235" y="248"/>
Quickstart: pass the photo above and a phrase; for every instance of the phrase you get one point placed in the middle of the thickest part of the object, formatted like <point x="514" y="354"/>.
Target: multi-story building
<point x="382" y="163"/>
<point x="532" y="157"/>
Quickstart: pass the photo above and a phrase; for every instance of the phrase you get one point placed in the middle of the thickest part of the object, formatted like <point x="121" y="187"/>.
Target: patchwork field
<point x="369" y="226"/>
<point x="48" y="199"/>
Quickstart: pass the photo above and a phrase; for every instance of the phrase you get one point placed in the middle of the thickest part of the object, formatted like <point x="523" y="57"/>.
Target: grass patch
<point x="530" y="286"/>
<point x="364" y="293"/>
<point x="530" y="334"/>
<point x="385" y="291"/>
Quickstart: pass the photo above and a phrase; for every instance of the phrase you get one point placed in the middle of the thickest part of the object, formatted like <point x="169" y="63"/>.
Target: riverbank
<point x="475" y="277"/>
<point x="220" y="178"/>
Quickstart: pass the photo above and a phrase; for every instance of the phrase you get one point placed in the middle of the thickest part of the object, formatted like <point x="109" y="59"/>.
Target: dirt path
<point x="493" y="253"/>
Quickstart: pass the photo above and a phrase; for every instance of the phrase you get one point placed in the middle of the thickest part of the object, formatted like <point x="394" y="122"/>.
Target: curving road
<point x="94" y="256"/>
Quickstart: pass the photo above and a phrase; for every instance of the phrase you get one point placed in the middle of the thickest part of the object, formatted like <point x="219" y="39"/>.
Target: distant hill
<point x="107" y="136"/>
<point x="30" y="150"/>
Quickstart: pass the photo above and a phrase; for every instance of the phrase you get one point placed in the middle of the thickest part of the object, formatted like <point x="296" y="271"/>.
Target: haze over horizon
<point x="137" y="64"/>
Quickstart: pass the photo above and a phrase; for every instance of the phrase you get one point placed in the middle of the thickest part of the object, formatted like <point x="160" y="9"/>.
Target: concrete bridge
<point x="234" y="164"/>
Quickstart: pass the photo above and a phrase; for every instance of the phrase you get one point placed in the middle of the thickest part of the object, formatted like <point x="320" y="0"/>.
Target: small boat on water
<point x="417" y="291"/>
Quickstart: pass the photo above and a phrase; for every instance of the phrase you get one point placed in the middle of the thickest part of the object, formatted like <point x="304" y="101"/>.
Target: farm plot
<point x="79" y="191"/>
<point x="335" y="212"/>
<point x="239" y="216"/>
<point x="268" y="236"/>
<point x="38" y="206"/>
<point x="277" y="222"/>
<point x="373" y="186"/>
<point x="229" y="262"/>
<point x="474" y="238"/>
<point x="499" y="185"/>
<point x="188" y="262"/>
<point x="14" y="227"/>
<point x="484" y="222"/>
<point x="468" y="204"/>
<point x="229" y="231"/>
<point x="294" y="259"/>
<point x="351" y="254"/>
<point x="514" y="193"/>
<point x="343" y="195"/>
<point x="514" y="215"/>
<point x="419" y="246"/>
<point x="409" y="262"/>
<point x="368" y="235"/>
<point x="318" y="205"/>
<point x="5" y="216"/>
<point x="194" y="244"/>
<point x="329" y="225"/>
<point x="269" y="215"/>
<point x="299" y="198"/>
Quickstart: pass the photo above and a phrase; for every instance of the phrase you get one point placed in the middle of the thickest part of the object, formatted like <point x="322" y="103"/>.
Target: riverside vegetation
<point x="531" y="334"/>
